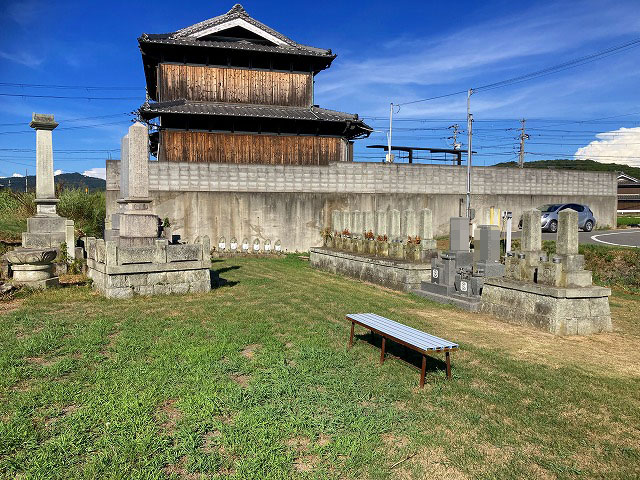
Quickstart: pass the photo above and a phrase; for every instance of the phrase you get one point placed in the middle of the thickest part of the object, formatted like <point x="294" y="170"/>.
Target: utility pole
<point x="469" y="134"/>
<point x="26" y="176"/>
<point x="523" y="137"/>
<point x="389" y="157"/>
<point x="456" y="145"/>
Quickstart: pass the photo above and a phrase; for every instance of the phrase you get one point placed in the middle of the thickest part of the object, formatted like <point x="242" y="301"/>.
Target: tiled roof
<point x="248" y="110"/>
<point x="189" y="36"/>
<point x="241" y="45"/>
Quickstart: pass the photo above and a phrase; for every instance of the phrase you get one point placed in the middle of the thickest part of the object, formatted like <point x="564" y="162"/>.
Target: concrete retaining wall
<point x="293" y="203"/>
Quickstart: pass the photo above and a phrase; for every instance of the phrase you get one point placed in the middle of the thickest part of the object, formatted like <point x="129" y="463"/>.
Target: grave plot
<point x="554" y="294"/>
<point x="389" y="248"/>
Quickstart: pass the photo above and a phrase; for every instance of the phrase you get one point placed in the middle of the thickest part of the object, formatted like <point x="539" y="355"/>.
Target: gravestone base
<point x="448" y="294"/>
<point x="392" y="273"/>
<point x="120" y="271"/>
<point x="557" y="310"/>
<point x="49" y="231"/>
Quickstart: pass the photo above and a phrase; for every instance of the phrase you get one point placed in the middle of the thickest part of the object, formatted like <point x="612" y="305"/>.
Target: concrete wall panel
<point x="294" y="203"/>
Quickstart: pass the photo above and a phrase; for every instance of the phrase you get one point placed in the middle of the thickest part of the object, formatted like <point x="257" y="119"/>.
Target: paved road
<point x="629" y="237"/>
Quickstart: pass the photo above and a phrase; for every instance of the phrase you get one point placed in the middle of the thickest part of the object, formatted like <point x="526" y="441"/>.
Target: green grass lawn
<point x="254" y="381"/>
<point x="623" y="221"/>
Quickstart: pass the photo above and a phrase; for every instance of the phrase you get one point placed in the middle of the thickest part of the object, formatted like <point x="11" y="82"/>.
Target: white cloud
<point x="23" y="58"/>
<point x="617" y="146"/>
<point x="58" y="172"/>
<point x="405" y="69"/>
<point x="17" y="175"/>
<point x="96" y="173"/>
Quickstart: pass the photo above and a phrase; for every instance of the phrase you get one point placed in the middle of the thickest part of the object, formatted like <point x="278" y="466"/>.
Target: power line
<point x="17" y="124"/>
<point x="79" y="127"/>
<point x="66" y="87"/>
<point x="540" y="73"/>
<point x="66" y="97"/>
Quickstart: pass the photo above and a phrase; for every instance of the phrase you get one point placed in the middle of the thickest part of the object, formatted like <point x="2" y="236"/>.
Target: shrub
<point x="87" y="210"/>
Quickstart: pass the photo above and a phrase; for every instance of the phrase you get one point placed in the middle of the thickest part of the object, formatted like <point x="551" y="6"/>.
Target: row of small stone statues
<point x="396" y="226"/>
<point x="233" y="246"/>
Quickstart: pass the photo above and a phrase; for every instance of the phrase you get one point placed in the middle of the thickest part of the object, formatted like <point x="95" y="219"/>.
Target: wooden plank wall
<point x="183" y="146"/>
<point x="234" y="85"/>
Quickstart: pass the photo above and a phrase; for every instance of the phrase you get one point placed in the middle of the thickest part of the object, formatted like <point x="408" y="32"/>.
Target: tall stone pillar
<point x="47" y="229"/>
<point x="46" y="200"/>
<point x="137" y="224"/>
<point x="531" y="231"/>
<point x="567" y="243"/>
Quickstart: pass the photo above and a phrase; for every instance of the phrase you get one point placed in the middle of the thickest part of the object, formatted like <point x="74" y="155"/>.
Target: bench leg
<point x="384" y="340"/>
<point x="448" y="360"/>
<point x="423" y="371"/>
<point x="351" y="336"/>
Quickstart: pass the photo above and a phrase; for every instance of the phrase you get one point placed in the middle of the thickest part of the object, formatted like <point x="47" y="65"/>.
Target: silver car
<point x="549" y="220"/>
<point x="549" y="217"/>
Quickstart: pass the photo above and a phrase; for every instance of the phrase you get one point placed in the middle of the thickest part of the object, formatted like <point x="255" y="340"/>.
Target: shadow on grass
<point x="407" y="355"/>
<point x="217" y="281"/>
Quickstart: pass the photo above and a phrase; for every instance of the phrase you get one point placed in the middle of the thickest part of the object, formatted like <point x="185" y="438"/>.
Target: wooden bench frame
<point x="386" y="335"/>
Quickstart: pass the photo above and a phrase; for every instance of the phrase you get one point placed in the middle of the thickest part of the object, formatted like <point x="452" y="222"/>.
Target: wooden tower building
<point x="232" y="90"/>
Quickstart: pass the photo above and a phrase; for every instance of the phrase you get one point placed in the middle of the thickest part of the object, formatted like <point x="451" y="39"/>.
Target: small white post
<point x="508" y="241"/>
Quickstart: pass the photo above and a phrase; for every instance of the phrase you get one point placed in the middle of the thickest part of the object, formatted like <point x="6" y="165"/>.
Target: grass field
<point x="624" y="221"/>
<point x="254" y="381"/>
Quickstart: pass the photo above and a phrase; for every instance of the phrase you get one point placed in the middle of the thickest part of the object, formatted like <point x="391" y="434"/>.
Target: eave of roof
<point x="246" y="46"/>
<point x="183" y="107"/>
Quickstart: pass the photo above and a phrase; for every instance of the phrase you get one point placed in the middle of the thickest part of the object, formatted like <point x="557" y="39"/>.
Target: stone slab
<point x="395" y="274"/>
<point x="471" y="304"/>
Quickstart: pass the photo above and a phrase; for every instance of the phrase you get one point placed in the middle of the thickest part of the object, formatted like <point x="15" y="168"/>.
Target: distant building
<point x="628" y="192"/>
<point x="232" y="90"/>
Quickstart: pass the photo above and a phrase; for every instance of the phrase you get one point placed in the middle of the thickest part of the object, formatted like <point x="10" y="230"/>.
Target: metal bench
<point x="416" y="340"/>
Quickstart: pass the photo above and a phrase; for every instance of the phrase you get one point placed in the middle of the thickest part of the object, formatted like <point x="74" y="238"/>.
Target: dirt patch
<point x="9" y="305"/>
<point x="107" y="351"/>
<point x="301" y="444"/>
<point x="323" y="440"/>
<point x="23" y="385"/>
<point x="167" y="416"/>
<point x="210" y="441"/>
<point x="288" y="345"/>
<point x="250" y="350"/>
<point x="41" y="361"/>
<point x="304" y="461"/>
<point x="179" y="469"/>
<point x="432" y="463"/>
<point x="611" y="354"/>
<point x="242" y="380"/>
<point x="66" y="410"/>
<point x="395" y="441"/>
<point x="69" y="279"/>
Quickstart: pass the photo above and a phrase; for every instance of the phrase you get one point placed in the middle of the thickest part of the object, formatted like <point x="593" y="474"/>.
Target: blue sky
<point x="400" y="51"/>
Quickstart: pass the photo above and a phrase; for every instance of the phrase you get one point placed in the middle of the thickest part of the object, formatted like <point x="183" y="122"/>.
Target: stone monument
<point x="458" y="275"/>
<point x="555" y="295"/>
<point x="133" y="260"/>
<point x="47" y="229"/>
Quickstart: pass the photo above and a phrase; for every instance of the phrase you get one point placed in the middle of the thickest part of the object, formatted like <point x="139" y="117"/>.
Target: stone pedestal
<point x="561" y="311"/>
<point x="120" y="271"/>
<point x="33" y="267"/>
